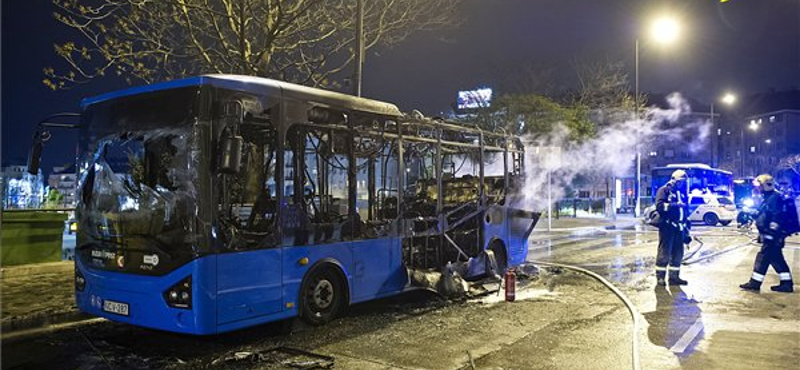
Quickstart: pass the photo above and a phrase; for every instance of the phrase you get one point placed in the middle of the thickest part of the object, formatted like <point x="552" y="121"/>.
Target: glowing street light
<point x="728" y="99"/>
<point x="664" y="30"/>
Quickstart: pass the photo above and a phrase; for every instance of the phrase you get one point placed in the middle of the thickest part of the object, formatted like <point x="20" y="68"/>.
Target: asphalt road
<point x="562" y="320"/>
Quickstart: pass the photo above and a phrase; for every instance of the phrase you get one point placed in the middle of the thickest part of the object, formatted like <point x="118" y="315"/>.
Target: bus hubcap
<point x="323" y="294"/>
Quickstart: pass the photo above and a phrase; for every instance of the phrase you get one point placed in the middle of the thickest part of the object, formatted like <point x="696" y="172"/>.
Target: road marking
<point x="687" y="338"/>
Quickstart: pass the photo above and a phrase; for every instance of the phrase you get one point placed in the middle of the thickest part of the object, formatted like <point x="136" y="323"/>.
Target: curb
<point x="42" y="321"/>
<point x="38" y="269"/>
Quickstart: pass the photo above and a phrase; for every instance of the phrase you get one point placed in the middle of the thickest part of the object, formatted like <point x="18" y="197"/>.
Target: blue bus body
<point x="127" y="272"/>
<point x="701" y="178"/>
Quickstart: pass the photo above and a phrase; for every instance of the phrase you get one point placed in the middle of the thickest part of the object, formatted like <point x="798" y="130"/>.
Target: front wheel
<point x="323" y="297"/>
<point x="710" y="219"/>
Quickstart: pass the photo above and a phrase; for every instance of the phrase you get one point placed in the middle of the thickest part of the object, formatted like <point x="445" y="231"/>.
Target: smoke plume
<point x="611" y="152"/>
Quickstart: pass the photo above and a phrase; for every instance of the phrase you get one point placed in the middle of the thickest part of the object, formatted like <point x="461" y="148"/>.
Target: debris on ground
<point x="279" y="357"/>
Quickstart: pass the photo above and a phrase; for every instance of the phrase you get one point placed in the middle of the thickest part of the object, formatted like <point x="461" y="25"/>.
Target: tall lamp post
<point x="728" y="99"/>
<point x="753" y="127"/>
<point x="663" y="30"/>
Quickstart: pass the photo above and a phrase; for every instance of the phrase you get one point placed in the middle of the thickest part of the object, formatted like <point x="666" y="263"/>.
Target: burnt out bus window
<point x="317" y="207"/>
<point x="247" y="198"/>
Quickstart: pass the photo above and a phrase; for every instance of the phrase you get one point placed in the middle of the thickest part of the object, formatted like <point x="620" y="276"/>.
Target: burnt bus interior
<point x="351" y="175"/>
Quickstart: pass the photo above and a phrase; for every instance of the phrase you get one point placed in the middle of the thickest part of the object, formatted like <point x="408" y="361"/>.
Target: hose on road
<point x="635" y="316"/>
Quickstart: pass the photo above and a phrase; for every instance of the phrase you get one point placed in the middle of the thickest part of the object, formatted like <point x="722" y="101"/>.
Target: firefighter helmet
<point x="766" y="182"/>
<point x="679" y="175"/>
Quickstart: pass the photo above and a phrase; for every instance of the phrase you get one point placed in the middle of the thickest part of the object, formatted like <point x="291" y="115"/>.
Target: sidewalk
<point x="38" y="295"/>
<point x="583" y="225"/>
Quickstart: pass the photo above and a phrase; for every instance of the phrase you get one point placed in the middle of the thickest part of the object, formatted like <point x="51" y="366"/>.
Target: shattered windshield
<point x="138" y="201"/>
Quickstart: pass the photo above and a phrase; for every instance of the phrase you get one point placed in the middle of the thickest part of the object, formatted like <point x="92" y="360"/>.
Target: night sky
<point x="745" y="46"/>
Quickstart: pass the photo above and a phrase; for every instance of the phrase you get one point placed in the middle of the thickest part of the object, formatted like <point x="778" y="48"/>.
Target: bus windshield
<point x="138" y="195"/>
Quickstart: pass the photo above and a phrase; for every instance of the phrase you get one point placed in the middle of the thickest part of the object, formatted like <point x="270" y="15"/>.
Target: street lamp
<point x="728" y="99"/>
<point x="753" y="127"/>
<point x="664" y="30"/>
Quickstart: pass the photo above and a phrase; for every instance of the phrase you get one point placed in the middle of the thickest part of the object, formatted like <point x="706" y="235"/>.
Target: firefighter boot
<point x="752" y="285"/>
<point x="660" y="277"/>
<point x="786" y="286"/>
<point x="674" y="279"/>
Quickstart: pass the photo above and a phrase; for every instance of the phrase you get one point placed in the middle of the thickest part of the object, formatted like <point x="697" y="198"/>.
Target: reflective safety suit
<point x="773" y="237"/>
<point x="673" y="230"/>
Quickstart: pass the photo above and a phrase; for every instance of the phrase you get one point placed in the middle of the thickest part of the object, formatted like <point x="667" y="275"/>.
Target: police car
<point x="705" y="208"/>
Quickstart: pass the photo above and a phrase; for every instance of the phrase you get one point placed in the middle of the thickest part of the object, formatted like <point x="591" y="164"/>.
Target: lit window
<point x="772" y="118"/>
<point x="719" y="132"/>
<point x="752" y="149"/>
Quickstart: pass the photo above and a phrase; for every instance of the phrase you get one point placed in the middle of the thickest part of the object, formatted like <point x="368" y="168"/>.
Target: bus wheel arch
<point x="498" y="248"/>
<point x="324" y="293"/>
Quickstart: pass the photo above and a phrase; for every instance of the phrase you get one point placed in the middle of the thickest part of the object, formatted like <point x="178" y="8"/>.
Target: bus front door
<point x="249" y="284"/>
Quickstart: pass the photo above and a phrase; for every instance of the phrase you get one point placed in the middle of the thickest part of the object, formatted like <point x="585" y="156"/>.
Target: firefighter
<point x="673" y="231"/>
<point x="772" y="236"/>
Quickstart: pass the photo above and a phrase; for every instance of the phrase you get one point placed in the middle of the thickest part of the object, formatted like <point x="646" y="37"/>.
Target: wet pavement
<point x="709" y="323"/>
<point x="562" y="320"/>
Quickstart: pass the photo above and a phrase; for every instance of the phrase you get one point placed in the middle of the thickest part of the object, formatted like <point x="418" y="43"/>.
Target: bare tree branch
<point x="307" y="41"/>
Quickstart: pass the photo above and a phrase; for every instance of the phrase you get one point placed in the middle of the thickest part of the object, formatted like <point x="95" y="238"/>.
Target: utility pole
<point x="359" y="60"/>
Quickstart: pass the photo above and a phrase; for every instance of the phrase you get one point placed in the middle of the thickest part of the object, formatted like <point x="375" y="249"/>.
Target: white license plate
<point x="115" y="307"/>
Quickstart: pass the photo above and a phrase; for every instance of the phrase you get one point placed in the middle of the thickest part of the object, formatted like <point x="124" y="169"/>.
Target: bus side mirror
<point x="231" y="154"/>
<point x="35" y="155"/>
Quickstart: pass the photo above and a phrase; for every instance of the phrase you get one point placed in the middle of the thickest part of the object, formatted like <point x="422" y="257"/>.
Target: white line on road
<point x="687" y="338"/>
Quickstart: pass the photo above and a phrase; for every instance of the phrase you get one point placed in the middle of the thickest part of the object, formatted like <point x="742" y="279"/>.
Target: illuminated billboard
<point x="474" y="99"/>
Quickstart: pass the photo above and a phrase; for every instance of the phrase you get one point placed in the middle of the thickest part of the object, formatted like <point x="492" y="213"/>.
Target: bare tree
<point x="604" y="89"/>
<point x="303" y="41"/>
<point x="790" y="162"/>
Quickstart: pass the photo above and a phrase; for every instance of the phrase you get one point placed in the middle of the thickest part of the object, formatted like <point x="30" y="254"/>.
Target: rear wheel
<point x="710" y="219"/>
<point x="323" y="296"/>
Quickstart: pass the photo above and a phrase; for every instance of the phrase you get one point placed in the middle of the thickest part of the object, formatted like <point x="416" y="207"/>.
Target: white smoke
<point x="611" y="153"/>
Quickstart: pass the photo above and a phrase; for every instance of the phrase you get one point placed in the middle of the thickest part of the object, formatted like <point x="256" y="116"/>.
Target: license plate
<point x="115" y="307"/>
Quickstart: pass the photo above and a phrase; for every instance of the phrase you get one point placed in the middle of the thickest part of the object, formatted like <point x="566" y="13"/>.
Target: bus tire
<point x="710" y="218"/>
<point x="323" y="296"/>
<point x="500" y="256"/>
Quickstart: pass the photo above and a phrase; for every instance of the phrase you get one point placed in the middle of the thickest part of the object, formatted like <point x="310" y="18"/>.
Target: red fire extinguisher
<point x="511" y="283"/>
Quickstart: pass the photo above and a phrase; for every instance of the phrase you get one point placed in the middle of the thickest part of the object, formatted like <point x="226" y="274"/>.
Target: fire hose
<point x="631" y="309"/>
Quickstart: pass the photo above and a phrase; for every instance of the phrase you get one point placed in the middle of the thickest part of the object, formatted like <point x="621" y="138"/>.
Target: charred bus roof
<point x="259" y="85"/>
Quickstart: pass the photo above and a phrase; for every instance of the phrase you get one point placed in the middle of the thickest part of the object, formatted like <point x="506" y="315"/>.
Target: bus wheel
<point x="499" y="256"/>
<point x="710" y="219"/>
<point x="323" y="296"/>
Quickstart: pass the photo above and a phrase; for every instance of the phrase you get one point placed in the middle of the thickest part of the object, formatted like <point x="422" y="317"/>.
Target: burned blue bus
<point x="219" y="202"/>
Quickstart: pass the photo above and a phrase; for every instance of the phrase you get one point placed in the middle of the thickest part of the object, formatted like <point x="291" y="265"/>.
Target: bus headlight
<point x="180" y="294"/>
<point x="80" y="281"/>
